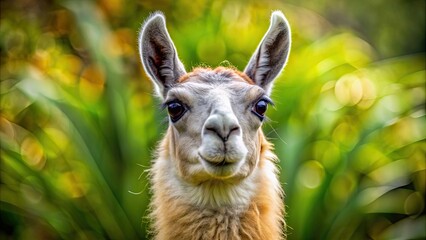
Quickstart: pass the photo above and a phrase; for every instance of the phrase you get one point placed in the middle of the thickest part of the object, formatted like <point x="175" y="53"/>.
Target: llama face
<point x="215" y="128"/>
<point x="215" y="115"/>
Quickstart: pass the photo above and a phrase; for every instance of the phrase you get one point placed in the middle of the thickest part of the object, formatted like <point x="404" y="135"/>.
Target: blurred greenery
<point x="79" y="122"/>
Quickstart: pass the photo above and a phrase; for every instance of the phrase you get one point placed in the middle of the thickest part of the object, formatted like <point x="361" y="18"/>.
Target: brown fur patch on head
<point x="226" y="72"/>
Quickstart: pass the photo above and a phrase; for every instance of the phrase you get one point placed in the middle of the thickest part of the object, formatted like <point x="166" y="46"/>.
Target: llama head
<point x="215" y="115"/>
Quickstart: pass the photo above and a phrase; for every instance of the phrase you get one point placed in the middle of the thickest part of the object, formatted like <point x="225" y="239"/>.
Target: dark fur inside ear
<point x="158" y="54"/>
<point x="271" y="55"/>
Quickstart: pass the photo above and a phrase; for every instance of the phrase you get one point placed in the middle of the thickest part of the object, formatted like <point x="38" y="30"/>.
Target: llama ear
<point x="271" y="55"/>
<point x="158" y="54"/>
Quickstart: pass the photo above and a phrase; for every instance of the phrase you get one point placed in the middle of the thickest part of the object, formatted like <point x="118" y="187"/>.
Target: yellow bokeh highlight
<point x="311" y="174"/>
<point x="120" y="43"/>
<point x="345" y="134"/>
<point x="6" y="128"/>
<point x="342" y="186"/>
<point x="328" y="153"/>
<point x="72" y="183"/>
<point x="91" y="84"/>
<point x="351" y="90"/>
<point x="33" y="153"/>
<point x="60" y="139"/>
<point x="348" y="90"/>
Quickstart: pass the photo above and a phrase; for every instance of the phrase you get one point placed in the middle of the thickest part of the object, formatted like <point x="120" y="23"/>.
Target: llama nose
<point x="223" y="125"/>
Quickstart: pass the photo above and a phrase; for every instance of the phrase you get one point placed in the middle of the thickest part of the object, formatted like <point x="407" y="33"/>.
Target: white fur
<point x="213" y="193"/>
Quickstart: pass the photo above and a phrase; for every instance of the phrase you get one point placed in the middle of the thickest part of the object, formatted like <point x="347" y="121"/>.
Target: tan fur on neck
<point x="175" y="218"/>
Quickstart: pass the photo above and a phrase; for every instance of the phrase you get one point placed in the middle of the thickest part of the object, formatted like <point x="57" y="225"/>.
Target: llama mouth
<point x="222" y="169"/>
<point x="222" y="163"/>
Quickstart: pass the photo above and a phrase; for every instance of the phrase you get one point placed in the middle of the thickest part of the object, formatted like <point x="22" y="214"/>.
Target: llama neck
<point x="252" y="207"/>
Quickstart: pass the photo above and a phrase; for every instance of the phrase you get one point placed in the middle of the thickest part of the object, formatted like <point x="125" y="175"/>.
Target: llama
<point x="214" y="175"/>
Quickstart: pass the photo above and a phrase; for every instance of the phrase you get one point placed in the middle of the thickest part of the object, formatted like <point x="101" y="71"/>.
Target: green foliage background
<point x="79" y="122"/>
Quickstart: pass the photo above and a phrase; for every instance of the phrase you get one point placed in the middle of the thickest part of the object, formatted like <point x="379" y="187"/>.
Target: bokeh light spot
<point x="33" y="153"/>
<point x="345" y="134"/>
<point x="31" y="190"/>
<point x="6" y="128"/>
<point x="342" y="185"/>
<point x="327" y="153"/>
<point x="60" y="138"/>
<point x="72" y="183"/>
<point x="92" y="83"/>
<point x="368" y="94"/>
<point x="311" y="174"/>
<point x="348" y="90"/>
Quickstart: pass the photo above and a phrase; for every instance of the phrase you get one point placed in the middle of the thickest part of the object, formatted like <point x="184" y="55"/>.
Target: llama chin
<point x="214" y="175"/>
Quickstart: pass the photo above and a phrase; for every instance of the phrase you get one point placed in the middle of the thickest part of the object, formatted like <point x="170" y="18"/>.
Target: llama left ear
<point x="159" y="55"/>
<point x="272" y="53"/>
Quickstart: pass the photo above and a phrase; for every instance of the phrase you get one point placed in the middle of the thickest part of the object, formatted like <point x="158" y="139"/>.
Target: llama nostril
<point x="212" y="129"/>
<point x="223" y="135"/>
<point x="236" y="128"/>
<point x="223" y="125"/>
<point x="230" y="132"/>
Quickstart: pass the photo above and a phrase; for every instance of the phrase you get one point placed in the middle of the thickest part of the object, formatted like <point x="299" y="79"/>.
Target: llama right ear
<point x="158" y="54"/>
<point x="272" y="53"/>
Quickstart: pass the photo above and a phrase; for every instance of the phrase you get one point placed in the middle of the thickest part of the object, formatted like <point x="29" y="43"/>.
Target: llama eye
<point x="176" y="110"/>
<point x="260" y="108"/>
